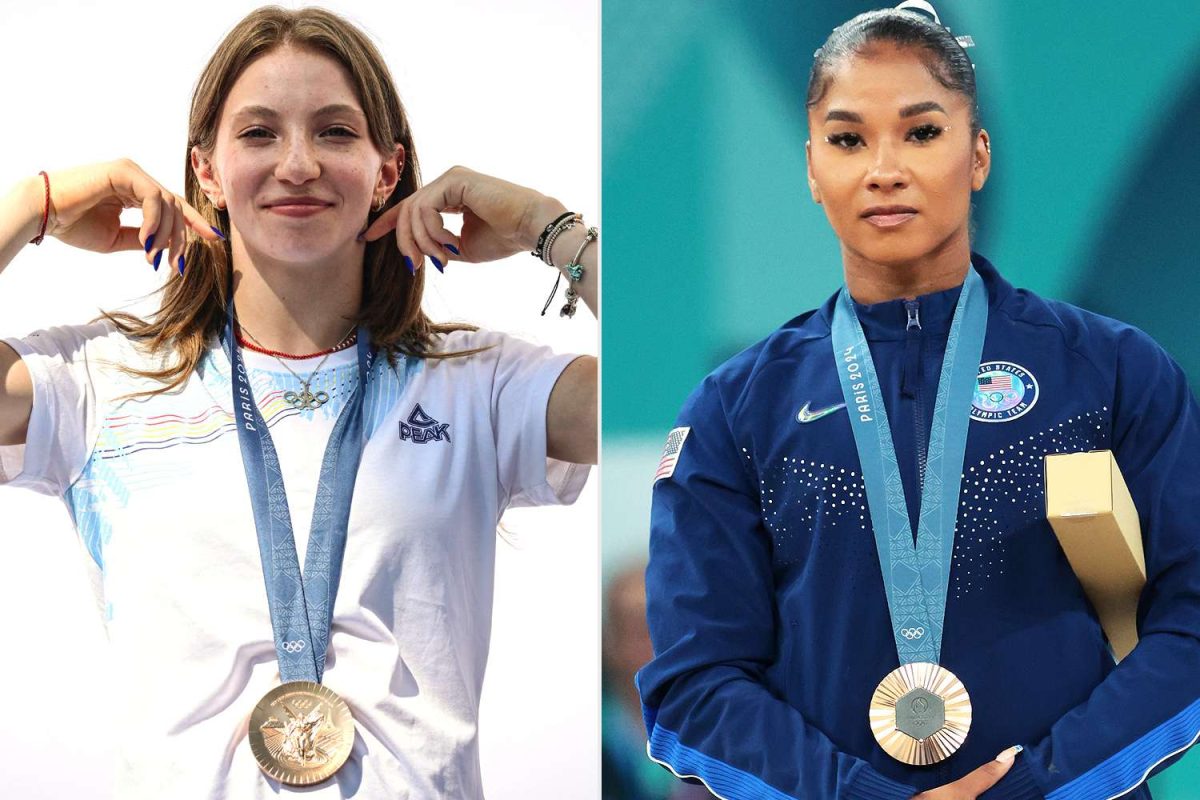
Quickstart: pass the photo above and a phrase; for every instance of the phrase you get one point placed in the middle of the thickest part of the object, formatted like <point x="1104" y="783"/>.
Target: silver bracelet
<point x="573" y="268"/>
<point x="575" y="273"/>
<point x="562" y="226"/>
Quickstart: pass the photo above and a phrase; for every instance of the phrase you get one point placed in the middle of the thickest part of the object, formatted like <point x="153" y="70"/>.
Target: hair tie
<point x="923" y="5"/>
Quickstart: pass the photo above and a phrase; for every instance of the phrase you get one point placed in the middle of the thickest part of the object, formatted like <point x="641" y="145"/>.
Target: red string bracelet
<point x="45" y="213"/>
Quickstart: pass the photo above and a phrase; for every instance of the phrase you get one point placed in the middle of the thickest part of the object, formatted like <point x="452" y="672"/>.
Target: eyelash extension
<point x="248" y="134"/>
<point x="844" y="140"/>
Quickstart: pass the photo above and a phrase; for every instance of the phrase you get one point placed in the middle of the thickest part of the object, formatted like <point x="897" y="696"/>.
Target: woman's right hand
<point x="975" y="783"/>
<point x="86" y="204"/>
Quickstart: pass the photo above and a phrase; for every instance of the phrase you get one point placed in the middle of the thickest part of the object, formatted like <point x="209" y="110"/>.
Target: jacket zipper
<point x="911" y="385"/>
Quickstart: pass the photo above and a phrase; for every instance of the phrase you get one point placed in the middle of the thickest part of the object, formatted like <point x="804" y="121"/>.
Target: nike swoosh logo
<point x="806" y="415"/>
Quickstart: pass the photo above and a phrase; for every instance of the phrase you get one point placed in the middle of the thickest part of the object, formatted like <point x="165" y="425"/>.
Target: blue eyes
<point x="345" y="132"/>
<point x="920" y="134"/>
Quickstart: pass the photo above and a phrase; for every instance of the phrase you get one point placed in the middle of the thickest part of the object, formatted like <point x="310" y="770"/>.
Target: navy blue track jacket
<point x="767" y="607"/>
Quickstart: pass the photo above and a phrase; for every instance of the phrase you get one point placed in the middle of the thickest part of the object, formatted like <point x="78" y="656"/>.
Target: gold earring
<point x="379" y="206"/>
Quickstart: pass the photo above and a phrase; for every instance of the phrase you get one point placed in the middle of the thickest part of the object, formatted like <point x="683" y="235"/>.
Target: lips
<point x="874" y="211"/>
<point x="888" y="216"/>
<point x="297" y="201"/>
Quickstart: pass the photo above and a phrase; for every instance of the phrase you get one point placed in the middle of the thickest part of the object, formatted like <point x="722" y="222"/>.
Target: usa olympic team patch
<point x="670" y="456"/>
<point x="1003" y="392"/>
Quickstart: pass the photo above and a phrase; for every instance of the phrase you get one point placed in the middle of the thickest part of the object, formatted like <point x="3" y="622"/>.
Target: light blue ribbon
<point x="301" y="605"/>
<point x="916" y="578"/>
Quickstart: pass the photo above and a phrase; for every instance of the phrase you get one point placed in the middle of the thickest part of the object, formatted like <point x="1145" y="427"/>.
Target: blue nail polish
<point x="437" y="264"/>
<point x="409" y="263"/>
<point x="181" y="266"/>
<point x="216" y="231"/>
<point x="149" y="242"/>
<point x="157" y="258"/>
<point x="451" y="248"/>
<point x="1019" y="748"/>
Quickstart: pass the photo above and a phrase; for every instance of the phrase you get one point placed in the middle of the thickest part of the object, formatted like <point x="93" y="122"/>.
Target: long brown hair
<point x="193" y="306"/>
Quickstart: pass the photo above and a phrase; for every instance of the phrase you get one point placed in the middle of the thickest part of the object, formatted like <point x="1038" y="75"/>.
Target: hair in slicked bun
<point x="941" y="51"/>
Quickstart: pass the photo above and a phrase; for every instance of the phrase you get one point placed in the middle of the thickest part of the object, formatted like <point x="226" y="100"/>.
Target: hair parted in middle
<point x="943" y="56"/>
<point x="193" y="307"/>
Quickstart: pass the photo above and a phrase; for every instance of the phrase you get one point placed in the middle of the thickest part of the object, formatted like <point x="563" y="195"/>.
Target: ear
<point x="812" y="181"/>
<point x="390" y="172"/>
<point x="982" y="165"/>
<point x="203" y="167"/>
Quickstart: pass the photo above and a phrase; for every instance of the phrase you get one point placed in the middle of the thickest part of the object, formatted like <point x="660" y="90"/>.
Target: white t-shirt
<point x="158" y="494"/>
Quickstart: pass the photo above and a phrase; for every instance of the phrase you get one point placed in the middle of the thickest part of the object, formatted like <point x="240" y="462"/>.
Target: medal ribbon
<point x="916" y="578"/>
<point x="301" y="605"/>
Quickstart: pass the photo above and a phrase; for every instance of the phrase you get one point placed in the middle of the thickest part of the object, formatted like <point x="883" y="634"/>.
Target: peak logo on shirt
<point x="422" y="428"/>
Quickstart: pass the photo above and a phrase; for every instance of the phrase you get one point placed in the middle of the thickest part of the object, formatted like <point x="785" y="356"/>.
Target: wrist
<point x="542" y="214"/>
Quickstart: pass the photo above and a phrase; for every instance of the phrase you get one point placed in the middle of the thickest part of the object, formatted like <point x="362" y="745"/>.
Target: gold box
<point x="1092" y="513"/>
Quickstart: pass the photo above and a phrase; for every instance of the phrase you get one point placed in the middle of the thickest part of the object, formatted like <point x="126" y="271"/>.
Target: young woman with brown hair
<point x="289" y="369"/>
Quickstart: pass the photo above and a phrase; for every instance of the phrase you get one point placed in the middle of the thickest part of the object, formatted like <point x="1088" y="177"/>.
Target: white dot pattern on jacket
<point x="799" y="496"/>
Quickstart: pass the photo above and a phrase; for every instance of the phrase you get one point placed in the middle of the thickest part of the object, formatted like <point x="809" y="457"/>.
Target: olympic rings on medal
<point x="294" y="646"/>
<point x="912" y="633"/>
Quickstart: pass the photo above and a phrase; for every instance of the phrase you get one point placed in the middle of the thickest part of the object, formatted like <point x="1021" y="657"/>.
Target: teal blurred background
<point x="712" y="241"/>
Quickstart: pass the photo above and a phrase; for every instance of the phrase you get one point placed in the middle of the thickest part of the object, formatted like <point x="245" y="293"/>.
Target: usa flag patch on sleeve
<point x="670" y="456"/>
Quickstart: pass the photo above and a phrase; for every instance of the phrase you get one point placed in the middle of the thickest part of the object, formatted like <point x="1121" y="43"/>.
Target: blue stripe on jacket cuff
<point x="1127" y="768"/>
<point x="721" y="779"/>
<point x="867" y="784"/>
<point x="1017" y="784"/>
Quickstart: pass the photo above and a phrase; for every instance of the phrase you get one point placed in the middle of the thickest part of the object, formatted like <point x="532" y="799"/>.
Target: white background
<point x="508" y="88"/>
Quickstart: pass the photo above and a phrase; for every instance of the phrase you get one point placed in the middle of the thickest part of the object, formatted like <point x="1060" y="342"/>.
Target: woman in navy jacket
<point x="767" y="608"/>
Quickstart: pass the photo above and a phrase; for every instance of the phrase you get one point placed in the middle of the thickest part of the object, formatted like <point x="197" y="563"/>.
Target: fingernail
<point x="149" y="242"/>
<point x="1007" y="756"/>
<point x="217" y="232"/>
<point x="181" y="266"/>
<point x="409" y="263"/>
<point x="157" y="258"/>
<point x="437" y="264"/>
<point x="451" y="248"/>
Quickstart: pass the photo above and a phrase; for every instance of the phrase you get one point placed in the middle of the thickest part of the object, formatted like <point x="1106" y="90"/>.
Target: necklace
<point x="305" y="399"/>
<point x="346" y="343"/>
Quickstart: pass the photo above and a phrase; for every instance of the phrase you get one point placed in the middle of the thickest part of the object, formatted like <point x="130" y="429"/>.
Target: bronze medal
<point x="920" y="713"/>
<point x="301" y="733"/>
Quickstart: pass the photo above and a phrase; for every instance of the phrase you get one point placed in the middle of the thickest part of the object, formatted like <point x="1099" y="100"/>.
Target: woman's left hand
<point x="499" y="219"/>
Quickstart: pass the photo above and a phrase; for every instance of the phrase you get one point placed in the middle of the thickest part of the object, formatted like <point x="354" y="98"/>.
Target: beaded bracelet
<point x="541" y="242"/>
<point x="560" y="228"/>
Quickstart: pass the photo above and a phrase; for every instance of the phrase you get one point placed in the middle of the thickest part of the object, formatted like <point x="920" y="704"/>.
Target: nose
<point x="886" y="171"/>
<point x="298" y="162"/>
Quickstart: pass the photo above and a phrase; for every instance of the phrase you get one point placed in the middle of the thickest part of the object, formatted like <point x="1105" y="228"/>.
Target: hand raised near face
<point x="499" y="219"/>
<point x="86" y="204"/>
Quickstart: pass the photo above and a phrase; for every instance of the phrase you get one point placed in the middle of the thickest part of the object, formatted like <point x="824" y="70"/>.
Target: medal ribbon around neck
<point x="916" y="578"/>
<point x="301" y="605"/>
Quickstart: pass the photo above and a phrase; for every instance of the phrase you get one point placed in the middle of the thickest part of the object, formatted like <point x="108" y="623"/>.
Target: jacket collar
<point x="888" y="320"/>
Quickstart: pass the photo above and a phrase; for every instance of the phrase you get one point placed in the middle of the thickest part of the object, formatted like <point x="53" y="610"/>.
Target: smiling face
<point x="292" y="126"/>
<point x="888" y="137"/>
